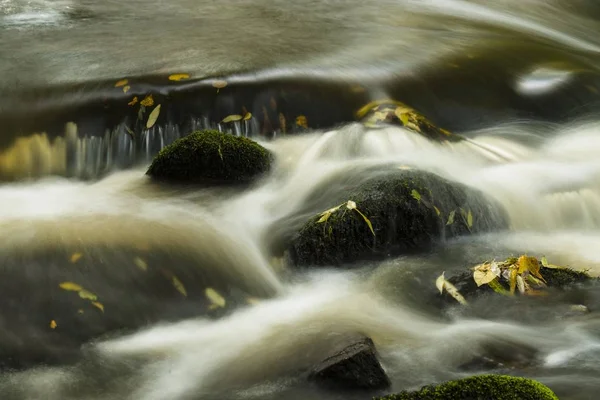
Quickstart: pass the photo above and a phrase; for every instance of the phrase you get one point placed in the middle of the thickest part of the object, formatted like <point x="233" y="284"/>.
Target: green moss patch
<point x="211" y="157"/>
<point x="483" y="387"/>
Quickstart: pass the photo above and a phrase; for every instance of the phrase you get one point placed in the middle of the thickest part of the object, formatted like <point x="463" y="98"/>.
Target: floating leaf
<point x="148" y="101"/>
<point x="470" y="219"/>
<point x="86" y="295"/>
<point x="98" y="305"/>
<point x="71" y="286"/>
<point x="126" y="88"/>
<point x="451" y="217"/>
<point x="351" y="205"/>
<point x="215" y="298"/>
<point x="416" y="195"/>
<point x="178" y="77"/>
<point x="219" y="84"/>
<point x="247" y="116"/>
<point x="153" y="117"/>
<point x="75" y="257"/>
<point x="367" y="221"/>
<point x="439" y="283"/>
<point x="302" y="121"/>
<point x="53" y="324"/>
<point x="483" y="274"/>
<point x="141" y="264"/>
<point x="179" y="286"/>
<point x="133" y="102"/>
<point x="230" y="118"/>
<point x="122" y="82"/>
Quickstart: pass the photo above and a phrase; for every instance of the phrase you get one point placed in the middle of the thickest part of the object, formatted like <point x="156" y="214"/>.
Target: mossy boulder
<point x="482" y="387"/>
<point x="212" y="157"/>
<point x="398" y="212"/>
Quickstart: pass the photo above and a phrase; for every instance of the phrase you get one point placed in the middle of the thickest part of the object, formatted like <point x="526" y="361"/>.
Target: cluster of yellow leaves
<point x="521" y="274"/>
<point x="83" y="293"/>
<point x="350" y="205"/>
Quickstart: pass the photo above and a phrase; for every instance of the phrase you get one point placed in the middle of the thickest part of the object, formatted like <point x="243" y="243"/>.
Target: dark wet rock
<point x="482" y="387"/>
<point x="390" y="112"/>
<point x="211" y="157"/>
<point x="354" y="367"/>
<point x="409" y="210"/>
<point x="501" y="355"/>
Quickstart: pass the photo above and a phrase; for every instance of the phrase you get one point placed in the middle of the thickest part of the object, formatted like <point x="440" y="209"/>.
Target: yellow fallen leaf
<point x="302" y="121"/>
<point x="453" y="291"/>
<point x="214" y="297"/>
<point x="178" y="77"/>
<point x="247" y="116"/>
<point x="326" y="214"/>
<point x="126" y="88"/>
<point x="141" y="264"/>
<point x="520" y="284"/>
<point x="470" y="219"/>
<point x="53" y="324"/>
<point x="122" y="82"/>
<point x="71" y="286"/>
<point x="530" y="264"/>
<point x="451" y="217"/>
<point x="148" y="101"/>
<point x="75" y="257"/>
<point x="350" y="205"/>
<point x="545" y="261"/>
<point x="219" y="84"/>
<point x="439" y="283"/>
<point x="153" y="117"/>
<point x="366" y="220"/>
<point x="513" y="280"/>
<point x="437" y="211"/>
<point x="416" y="195"/>
<point x="483" y="274"/>
<point x="402" y="113"/>
<point x="231" y="118"/>
<point x="86" y="295"/>
<point x="98" y="305"/>
<point x="179" y="286"/>
<point x="369" y="106"/>
<point x="133" y="101"/>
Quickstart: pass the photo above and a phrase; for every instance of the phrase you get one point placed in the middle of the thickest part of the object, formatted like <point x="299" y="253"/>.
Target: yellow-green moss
<point x="212" y="157"/>
<point x="483" y="387"/>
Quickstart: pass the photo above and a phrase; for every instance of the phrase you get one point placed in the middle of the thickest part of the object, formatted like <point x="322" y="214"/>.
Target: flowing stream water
<point x="544" y="171"/>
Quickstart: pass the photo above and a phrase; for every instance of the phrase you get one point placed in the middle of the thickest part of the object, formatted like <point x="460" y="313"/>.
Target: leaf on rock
<point x="484" y="274"/>
<point x="141" y="264"/>
<point x="437" y="211"/>
<point x="219" y="84"/>
<point x="497" y="287"/>
<point x="402" y="113"/>
<point x="53" y="324"/>
<point x="470" y="219"/>
<point x="453" y="291"/>
<point x="451" y="217"/>
<point x="70" y="286"/>
<point x="178" y="77"/>
<point x="230" y="118"/>
<point x="133" y="101"/>
<point x="326" y="214"/>
<point x="416" y="195"/>
<point x="153" y="117"/>
<point x="350" y="205"/>
<point x="148" y="101"/>
<point x="520" y="284"/>
<point x="126" y="88"/>
<point x="366" y="220"/>
<point x="75" y="257"/>
<point x="86" y="295"/>
<point x="513" y="280"/>
<point x="178" y="286"/>
<point x="545" y="261"/>
<point x="439" y="283"/>
<point x="98" y="305"/>
<point x="122" y="82"/>
<point x="247" y="116"/>
<point x="302" y="121"/>
<point x="530" y="264"/>
<point x="215" y="298"/>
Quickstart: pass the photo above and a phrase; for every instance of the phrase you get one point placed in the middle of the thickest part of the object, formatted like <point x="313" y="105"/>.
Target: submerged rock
<point x="211" y="157"/>
<point x="483" y="387"/>
<point x="355" y="367"/>
<point x="391" y="112"/>
<point x="398" y="212"/>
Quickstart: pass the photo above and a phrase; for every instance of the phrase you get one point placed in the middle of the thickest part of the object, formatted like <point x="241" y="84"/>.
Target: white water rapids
<point x="551" y="189"/>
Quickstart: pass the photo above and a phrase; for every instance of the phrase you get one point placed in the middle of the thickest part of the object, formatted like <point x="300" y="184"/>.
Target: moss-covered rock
<point x="211" y="157"/>
<point x="391" y="112"/>
<point x="483" y="387"/>
<point x="409" y="210"/>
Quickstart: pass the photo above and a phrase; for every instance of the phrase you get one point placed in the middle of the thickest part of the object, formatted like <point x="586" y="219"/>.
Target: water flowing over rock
<point x="401" y="212"/>
<point x="211" y="157"/>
